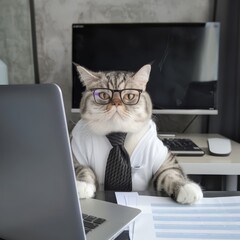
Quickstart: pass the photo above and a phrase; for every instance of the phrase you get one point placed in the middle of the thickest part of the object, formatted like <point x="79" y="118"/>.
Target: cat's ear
<point x="87" y="77"/>
<point x="142" y="75"/>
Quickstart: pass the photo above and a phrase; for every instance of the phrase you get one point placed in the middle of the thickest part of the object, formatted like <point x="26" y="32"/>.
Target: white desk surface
<point x="209" y="164"/>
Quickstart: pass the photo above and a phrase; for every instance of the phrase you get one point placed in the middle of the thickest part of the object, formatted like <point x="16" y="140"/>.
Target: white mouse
<point x="219" y="146"/>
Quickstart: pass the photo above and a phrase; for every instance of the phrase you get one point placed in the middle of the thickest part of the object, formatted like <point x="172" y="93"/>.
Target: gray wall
<point x="16" y="40"/>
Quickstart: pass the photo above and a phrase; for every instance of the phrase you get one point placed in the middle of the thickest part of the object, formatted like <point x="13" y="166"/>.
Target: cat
<point x="151" y="162"/>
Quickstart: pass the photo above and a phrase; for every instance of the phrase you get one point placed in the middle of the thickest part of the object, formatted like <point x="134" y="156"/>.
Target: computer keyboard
<point x="182" y="146"/>
<point x="90" y="222"/>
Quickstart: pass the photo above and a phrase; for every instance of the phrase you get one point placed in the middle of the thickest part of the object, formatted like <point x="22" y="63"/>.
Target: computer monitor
<point x="184" y="59"/>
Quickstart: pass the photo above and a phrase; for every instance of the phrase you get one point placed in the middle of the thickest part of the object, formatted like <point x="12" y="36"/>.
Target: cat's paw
<point x="189" y="193"/>
<point x="85" y="190"/>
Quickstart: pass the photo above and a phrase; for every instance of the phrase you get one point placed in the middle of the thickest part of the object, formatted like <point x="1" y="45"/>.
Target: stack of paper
<point x="162" y="218"/>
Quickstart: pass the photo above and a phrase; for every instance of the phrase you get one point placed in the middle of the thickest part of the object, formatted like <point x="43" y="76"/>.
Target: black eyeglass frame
<point x="120" y="93"/>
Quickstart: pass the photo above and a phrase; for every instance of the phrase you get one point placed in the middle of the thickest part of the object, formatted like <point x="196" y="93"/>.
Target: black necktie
<point x="118" y="175"/>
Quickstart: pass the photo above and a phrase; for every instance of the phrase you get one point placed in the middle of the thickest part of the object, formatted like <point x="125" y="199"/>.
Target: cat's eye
<point x="104" y="95"/>
<point x="128" y="96"/>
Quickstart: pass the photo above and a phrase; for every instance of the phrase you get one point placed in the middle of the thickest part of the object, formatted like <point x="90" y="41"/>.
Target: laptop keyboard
<point x="91" y="222"/>
<point x="182" y="146"/>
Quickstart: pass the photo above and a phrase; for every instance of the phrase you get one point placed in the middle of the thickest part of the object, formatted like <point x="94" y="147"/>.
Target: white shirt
<point x="92" y="150"/>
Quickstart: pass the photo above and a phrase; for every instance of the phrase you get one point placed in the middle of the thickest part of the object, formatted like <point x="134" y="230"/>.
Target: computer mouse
<point x="219" y="146"/>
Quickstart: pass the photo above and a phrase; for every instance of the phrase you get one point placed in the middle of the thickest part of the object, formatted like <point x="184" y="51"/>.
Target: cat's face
<point x="106" y="110"/>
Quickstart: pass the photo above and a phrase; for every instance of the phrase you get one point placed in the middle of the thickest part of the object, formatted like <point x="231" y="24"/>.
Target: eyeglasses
<point x="104" y="96"/>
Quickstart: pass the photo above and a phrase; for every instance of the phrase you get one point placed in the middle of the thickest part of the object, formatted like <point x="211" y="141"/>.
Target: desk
<point x="109" y="196"/>
<point x="212" y="165"/>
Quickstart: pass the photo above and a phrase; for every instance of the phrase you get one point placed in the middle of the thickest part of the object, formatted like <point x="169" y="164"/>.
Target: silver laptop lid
<point x="35" y="201"/>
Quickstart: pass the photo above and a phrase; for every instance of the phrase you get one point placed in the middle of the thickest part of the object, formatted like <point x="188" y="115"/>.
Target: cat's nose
<point x="116" y="101"/>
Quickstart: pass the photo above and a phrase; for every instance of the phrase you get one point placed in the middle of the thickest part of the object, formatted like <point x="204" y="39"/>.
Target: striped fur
<point x="170" y="177"/>
<point x="84" y="173"/>
<point x="131" y="117"/>
<point x="102" y="120"/>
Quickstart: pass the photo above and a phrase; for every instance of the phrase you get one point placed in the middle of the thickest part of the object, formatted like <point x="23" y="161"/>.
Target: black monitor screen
<point x="183" y="56"/>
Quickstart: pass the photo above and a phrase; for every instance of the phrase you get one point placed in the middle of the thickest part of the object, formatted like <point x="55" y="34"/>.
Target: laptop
<point x="38" y="197"/>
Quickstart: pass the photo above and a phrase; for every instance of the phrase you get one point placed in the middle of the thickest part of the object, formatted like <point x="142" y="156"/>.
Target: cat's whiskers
<point x="127" y="114"/>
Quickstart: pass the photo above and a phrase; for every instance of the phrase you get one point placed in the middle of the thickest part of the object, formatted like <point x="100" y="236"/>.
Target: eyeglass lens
<point x="128" y="96"/>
